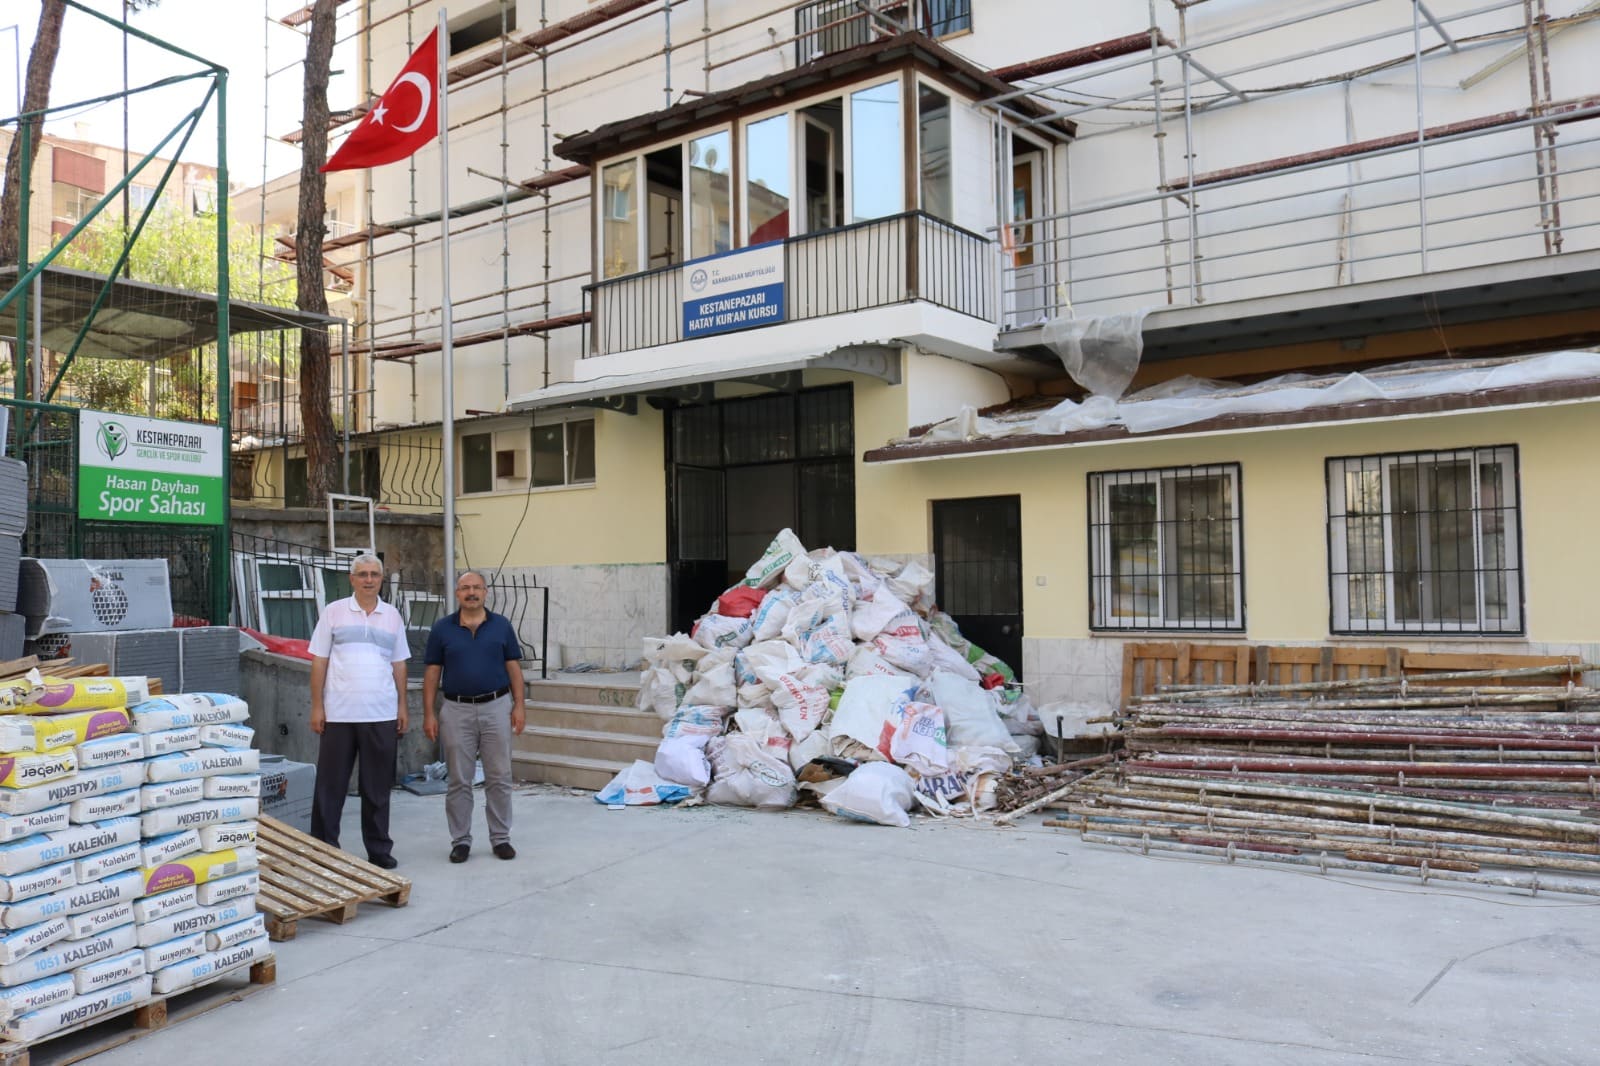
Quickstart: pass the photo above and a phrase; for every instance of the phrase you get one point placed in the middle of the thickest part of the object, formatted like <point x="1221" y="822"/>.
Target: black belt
<point x="481" y="698"/>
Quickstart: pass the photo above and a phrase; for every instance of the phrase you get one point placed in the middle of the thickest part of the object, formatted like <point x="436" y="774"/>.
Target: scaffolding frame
<point x="1189" y="77"/>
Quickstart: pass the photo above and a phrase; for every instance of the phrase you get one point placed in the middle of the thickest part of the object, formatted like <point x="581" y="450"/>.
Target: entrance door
<point x="977" y="551"/>
<point x="1029" y="287"/>
<point x="699" y="556"/>
<point x="765" y="504"/>
<point x="740" y="470"/>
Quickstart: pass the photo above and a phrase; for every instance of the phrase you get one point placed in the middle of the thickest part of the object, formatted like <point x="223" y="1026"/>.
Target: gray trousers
<point x="469" y="732"/>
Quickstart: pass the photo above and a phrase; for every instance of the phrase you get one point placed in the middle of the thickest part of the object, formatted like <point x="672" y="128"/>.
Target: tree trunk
<point x="322" y="457"/>
<point x="36" y="97"/>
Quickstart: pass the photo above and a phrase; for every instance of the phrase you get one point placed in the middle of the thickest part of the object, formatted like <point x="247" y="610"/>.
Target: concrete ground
<point x="714" y="935"/>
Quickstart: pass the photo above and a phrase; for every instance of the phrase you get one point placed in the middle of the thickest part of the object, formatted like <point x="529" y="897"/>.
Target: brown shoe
<point x="459" y="853"/>
<point x="504" y="850"/>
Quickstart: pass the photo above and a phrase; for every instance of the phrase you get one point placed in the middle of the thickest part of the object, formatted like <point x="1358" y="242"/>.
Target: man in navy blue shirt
<point x="474" y="659"/>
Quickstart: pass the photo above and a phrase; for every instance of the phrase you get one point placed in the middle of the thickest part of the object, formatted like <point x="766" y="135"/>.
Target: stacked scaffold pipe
<point x="1472" y="776"/>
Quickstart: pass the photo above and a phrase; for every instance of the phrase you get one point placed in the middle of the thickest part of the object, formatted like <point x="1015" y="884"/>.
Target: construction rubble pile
<point x="829" y="677"/>
<point x="1463" y="778"/>
<point x="127" y="865"/>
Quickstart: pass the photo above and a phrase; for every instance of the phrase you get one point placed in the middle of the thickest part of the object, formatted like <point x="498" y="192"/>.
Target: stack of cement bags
<point x="834" y="674"/>
<point x="127" y="868"/>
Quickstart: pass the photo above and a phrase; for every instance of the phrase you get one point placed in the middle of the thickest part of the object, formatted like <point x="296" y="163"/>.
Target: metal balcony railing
<point x="1468" y="199"/>
<point x="827" y="26"/>
<point x="885" y="261"/>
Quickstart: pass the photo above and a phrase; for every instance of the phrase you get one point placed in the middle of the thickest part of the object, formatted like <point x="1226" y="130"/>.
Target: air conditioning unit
<point x="94" y="595"/>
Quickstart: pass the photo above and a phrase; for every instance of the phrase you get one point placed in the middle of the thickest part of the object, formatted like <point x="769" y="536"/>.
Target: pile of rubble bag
<point x="829" y="677"/>
<point x="127" y="865"/>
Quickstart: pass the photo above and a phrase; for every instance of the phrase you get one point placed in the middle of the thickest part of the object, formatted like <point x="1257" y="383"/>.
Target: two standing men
<point x="358" y="707"/>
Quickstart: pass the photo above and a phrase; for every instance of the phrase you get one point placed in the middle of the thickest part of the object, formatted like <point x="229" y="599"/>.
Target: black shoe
<point x="459" y="853"/>
<point x="504" y="850"/>
<point x="383" y="862"/>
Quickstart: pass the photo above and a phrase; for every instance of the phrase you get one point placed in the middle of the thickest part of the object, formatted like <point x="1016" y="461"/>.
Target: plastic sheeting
<point x="1101" y="353"/>
<point x="1184" y="401"/>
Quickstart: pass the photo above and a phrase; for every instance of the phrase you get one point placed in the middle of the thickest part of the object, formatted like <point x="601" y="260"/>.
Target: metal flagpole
<point x="447" y="363"/>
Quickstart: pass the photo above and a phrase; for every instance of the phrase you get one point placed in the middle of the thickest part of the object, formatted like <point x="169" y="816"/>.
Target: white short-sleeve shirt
<point x="361" y="650"/>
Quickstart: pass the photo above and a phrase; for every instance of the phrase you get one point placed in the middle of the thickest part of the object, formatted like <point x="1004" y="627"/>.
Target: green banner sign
<point x="134" y="469"/>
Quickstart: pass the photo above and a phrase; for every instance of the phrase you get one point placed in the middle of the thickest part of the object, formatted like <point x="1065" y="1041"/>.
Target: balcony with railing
<point x="901" y="259"/>
<point x="1329" y="221"/>
<point x="824" y="27"/>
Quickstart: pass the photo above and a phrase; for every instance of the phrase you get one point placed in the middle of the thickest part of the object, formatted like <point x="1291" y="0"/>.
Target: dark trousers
<point x="343" y="743"/>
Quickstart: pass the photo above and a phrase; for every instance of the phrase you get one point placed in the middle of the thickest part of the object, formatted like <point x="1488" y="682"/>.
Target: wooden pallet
<point x="1147" y="666"/>
<point x="301" y="877"/>
<point x="79" y="1042"/>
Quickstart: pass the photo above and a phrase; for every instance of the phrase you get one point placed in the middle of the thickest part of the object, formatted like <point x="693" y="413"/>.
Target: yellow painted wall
<point x="1284" y="510"/>
<point x="622" y="518"/>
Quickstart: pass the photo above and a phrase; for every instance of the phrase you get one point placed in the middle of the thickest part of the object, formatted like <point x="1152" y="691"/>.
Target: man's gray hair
<point x="475" y="573"/>
<point x="365" y="557"/>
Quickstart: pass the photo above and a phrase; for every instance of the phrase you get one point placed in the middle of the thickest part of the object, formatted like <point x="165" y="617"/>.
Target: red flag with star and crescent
<point x="402" y="120"/>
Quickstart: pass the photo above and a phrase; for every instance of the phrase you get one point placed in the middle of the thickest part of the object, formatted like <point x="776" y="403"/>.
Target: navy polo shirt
<point x="474" y="664"/>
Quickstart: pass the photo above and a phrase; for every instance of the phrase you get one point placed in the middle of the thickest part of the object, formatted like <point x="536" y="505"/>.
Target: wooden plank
<point x="1129" y="664"/>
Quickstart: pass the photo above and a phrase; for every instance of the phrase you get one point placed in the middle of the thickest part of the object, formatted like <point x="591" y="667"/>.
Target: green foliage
<point x="178" y="251"/>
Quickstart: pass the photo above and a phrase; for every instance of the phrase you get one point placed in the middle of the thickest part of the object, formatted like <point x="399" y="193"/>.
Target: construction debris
<point x="818" y="664"/>
<point x="1438" y="780"/>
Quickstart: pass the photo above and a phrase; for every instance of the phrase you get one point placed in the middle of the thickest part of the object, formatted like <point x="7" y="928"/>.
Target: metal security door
<point x="977" y="551"/>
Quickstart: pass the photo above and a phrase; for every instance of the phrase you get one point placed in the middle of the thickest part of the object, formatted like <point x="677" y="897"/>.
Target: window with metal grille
<point x="1166" y="549"/>
<point x="1425" y="542"/>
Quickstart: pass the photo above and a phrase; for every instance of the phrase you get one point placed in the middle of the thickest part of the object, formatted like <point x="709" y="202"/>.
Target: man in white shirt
<point x="358" y="708"/>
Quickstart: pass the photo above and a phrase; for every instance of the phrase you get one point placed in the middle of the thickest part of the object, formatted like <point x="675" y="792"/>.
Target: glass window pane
<point x="945" y="17"/>
<point x="1492" y="526"/>
<point x="933" y="121"/>
<point x="548" y="455"/>
<point x="288" y="618"/>
<point x="580" y="451"/>
<point x="1199" y="548"/>
<point x="1363" y="494"/>
<point x="1135" y="578"/>
<point x="477" y="473"/>
<point x="335" y="585"/>
<point x="877" y="153"/>
<point x="1454" y="581"/>
<point x="769" y="179"/>
<point x="280" y="577"/>
<point x="710" y="219"/>
<point x="619" y="208"/>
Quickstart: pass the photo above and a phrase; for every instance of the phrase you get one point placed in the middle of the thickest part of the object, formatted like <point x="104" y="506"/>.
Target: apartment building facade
<point x="716" y="272"/>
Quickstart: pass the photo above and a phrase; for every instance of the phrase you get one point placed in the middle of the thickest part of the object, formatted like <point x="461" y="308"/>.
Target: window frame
<point x="1102" y="617"/>
<point x="1515" y="620"/>
<point x="735" y="127"/>
<point x="518" y="438"/>
<point x="567" y="480"/>
<point x="927" y="84"/>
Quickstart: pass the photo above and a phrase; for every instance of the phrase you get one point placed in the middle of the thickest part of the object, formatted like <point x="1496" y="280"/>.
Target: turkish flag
<point x="402" y="120"/>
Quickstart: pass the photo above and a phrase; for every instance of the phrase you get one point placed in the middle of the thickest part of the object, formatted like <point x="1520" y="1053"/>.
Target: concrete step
<point x="586" y="744"/>
<point x="592" y="774"/>
<point x="604" y="690"/>
<point x="598" y="719"/>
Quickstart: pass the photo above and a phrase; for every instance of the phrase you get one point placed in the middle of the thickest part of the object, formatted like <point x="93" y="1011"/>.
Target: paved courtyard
<point x="714" y="935"/>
